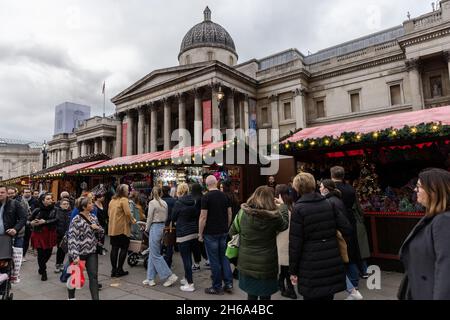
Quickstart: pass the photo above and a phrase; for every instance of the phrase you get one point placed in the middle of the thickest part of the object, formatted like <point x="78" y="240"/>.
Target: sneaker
<point x="207" y="265"/>
<point x="355" y="295"/>
<point x="150" y="283"/>
<point x="188" y="287"/>
<point x="171" y="280"/>
<point x="365" y="276"/>
<point x="24" y="260"/>
<point x="195" y="267"/>
<point x="72" y="299"/>
<point x="121" y="273"/>
<point x="183" y="282"/>
<point x="214" y="291"/>
<point x="58" y="268"/>
<point x="228" y="289"/>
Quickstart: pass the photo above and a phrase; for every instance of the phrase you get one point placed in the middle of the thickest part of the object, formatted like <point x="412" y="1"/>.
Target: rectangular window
<point x="355" y="102"/>
<point x="320" y="108"/>
<point x="264" y="116"/>
<point x="396" y="97"/>
<point x="210" y="55"/>
<point x="287" y="111"/>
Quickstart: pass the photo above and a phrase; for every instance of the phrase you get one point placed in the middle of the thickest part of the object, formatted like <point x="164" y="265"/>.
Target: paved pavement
<point x="131" y="288"/>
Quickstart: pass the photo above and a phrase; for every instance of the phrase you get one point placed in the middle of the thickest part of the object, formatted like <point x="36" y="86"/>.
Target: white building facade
<point x="18" y="158"/>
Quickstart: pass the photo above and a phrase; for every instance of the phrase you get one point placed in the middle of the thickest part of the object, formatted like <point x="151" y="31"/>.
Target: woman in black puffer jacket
<point x="185" y="214"/>
<point x="315" y="262"/>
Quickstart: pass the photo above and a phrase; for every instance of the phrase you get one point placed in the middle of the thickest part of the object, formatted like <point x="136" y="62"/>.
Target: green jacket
<point x="258" y="257"/>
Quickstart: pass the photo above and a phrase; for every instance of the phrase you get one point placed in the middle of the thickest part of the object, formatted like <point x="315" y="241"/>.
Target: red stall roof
<point x="396" y="121"/>
<point x="161" y="155"/>
<point x="75" y="167"/>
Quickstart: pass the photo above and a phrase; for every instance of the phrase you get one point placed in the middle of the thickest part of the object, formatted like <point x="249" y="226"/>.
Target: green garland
<point x="423" y="130"/>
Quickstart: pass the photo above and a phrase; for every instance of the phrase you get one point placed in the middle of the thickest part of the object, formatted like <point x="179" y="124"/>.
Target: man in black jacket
<point x="349" y="199"/>
<point x="12" y="220"/>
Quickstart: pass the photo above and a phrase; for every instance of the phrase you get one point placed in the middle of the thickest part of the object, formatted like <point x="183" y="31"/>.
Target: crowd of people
<point x="307" y="234"/>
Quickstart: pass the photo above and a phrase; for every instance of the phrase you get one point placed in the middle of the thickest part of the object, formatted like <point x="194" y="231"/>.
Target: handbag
<point x="169" y="235"/>
<point x="64" y="244"/>
<point x="342" y="244"/>
<point x="232" y="250"/>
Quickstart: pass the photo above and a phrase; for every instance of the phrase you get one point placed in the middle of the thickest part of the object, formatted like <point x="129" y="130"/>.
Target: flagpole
<point x="104" y="99"/>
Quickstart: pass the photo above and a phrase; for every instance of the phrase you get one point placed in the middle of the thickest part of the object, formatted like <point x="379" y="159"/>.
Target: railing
<point x="427" y="20"/>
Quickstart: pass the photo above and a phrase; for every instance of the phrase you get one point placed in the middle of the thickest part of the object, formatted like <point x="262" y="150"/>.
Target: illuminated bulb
<point x="286" y="145"/>
<point x="341" y="140"/>
<point x="312" y="143"/>
<point x="375" y="135"/>
<point x="327" y="141"/>
<point x="435" y="127"/>
<point x="414" y="130"/>
<point x="300" y="145"/>
<point x="358" y="137"/>
<point x="394" y="133"/>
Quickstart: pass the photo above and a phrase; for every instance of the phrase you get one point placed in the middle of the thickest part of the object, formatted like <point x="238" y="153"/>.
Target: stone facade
<point x="400" y="69"/>
<point x="18" y="158"/>
<point x="95" y="135"/>
<point x="395" y="70"/>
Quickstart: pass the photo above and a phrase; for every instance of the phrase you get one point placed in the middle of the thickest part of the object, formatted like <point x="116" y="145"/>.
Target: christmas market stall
<point x="188" y="164"/>
<point x="18" y="182"/>
<point x="382" y="157"/>
<point x="62" y="177"/>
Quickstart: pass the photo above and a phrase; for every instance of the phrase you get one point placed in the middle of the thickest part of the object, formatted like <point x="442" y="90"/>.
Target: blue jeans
<point x="353" y="274"/>
<point x="350" y="286"/>
<point x="220" y="266"/>
<point x="156" y="262"/>
<point x="18" y="242"/>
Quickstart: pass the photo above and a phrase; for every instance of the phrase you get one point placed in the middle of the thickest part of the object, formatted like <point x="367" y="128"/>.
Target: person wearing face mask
<point x="44" y="237"/>
<point x="329" y="191"/>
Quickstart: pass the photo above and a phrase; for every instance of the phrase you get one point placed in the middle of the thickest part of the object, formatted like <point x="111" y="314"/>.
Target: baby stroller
<point x="138" y="249"/>
<point x="6" y="267"/>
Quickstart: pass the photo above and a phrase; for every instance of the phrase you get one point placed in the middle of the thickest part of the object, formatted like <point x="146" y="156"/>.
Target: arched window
<point x="231" y="61"/>
<point x="210" y="55"/>
<point x="188" y="59"/>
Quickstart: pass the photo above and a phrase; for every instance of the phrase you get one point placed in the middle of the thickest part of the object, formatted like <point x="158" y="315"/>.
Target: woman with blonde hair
<point x="426" y="251"/>
<point x="258" y="222"/>
<point x="119" y="229"/>
<point x="156" y="218"/>
<point x="186" y="213"/>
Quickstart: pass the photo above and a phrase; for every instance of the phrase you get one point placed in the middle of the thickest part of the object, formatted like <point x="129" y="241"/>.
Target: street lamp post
<point x="44" y="155"/>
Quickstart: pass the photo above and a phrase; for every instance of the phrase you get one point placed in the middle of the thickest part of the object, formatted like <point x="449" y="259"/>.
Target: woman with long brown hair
<point x="156" y="220"/>
<point x="426" y="251"/>
<point x="284" y="281"/>
<point x="119" y="229"/>
<point x="258" y="222"/>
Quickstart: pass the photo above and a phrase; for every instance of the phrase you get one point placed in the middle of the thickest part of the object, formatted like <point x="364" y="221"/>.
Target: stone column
<point x="63" y="155"/>
<point x="299" y="107"/>
<point x="129" y="134"/>
<point x="141" y="128"/>
<point x="78" y="149"/>
<point x="198" y="124"/>
<point x="182" y="120"/>
<point x="413" y="67"/>
<point x="147" y="129"/>
<point x="447" y="60"/>
<point x="104" y="145"/>
<point x="83" y="148"/>
<point x="153" y="128"/>
<point x="246" y="113"/>
<point x="118" y="151"/>
<point x="215" y="108"/>
<point x="230" y="113"/>
<point x="274" y="111"/>
<point x="96" y="146"/>
<point x="167" y="126"/>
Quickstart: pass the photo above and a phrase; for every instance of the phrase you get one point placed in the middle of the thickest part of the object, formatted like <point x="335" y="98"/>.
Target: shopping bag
<point x="76" y="279"/>
<point x="232" y="250"/>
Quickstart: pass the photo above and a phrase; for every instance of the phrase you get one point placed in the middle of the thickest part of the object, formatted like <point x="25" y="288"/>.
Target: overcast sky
<point x="56" y="51"/>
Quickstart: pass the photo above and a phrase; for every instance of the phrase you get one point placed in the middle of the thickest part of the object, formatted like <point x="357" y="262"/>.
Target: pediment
<point x="158" y="77"/>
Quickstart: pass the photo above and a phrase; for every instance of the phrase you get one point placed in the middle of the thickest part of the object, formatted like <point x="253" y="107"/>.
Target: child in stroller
<point x="138" y="249"/>
<point x="6" y="267"/>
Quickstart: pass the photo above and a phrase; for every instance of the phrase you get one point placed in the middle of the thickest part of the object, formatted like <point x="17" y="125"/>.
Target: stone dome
<point x="207" y="34"/>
